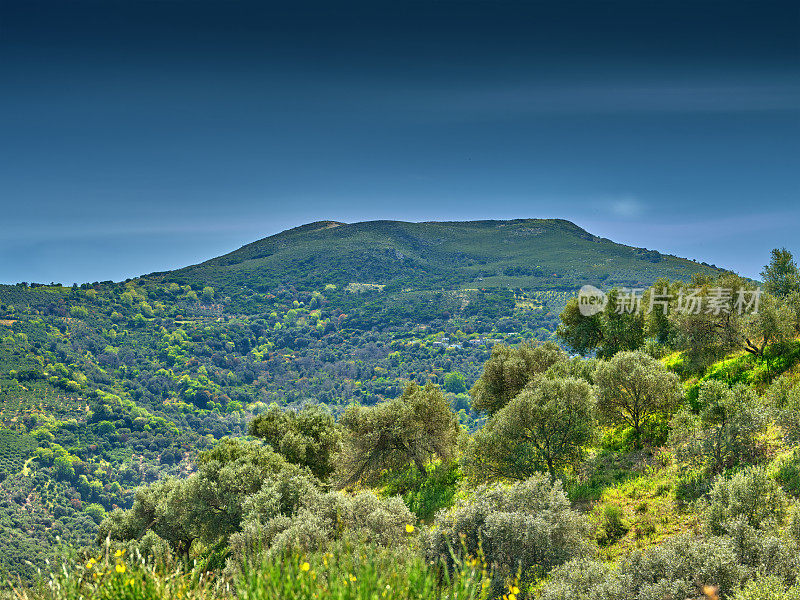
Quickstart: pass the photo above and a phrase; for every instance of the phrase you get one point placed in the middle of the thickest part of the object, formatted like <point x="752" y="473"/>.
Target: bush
<point x="586" y="579"/>
<point x="787" y="472"/>
<point x="318" y="520"/>
<point x="612" y="525"/>
<point x="767" y="588"/>
<point x="749" y="496"/>
<point x="526" y="528"/>
<point x="682" y="566"/>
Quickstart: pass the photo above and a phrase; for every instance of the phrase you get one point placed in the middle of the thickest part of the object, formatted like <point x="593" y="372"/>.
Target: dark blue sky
<point x="144" y="136"/>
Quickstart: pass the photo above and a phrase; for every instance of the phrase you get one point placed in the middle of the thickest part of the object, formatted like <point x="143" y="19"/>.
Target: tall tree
<point x="618" y="327"/>
<point x="541" y="429"/>
<point x="582" y="334"/>
<point x="725" y="432"/>
<point x="781" y="276"/>
<point x="773" y="324"/>
<point x="657" y="302"/>
<point x="507" y="372"/>
<point x="632" y="386"/>
<point x="412" y="429"/>
<point x="622" y="330"/>
<point x="707" y="335"/>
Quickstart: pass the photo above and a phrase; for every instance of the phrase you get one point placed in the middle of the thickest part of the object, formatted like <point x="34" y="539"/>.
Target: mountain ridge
<point x="518" y="253"/>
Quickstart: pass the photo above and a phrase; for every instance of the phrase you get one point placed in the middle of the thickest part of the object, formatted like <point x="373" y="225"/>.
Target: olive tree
<point x="773" y="324"/>
<point x="412" y="429"/>
<point x="614" y="329"/>
<point x="542" y="428"/>
<point x="781" y="276"/>
<point x="726" y="430"/>
<point x="209" y="504"/>
<point x="632" y="386"/>
<point x="508" y="371"/>
<point x="309" y="437"/>
<point x="750" y="497"/>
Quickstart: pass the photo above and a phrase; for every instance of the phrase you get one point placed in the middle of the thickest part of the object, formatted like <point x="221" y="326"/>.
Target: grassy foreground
<point x="347" y="572"/>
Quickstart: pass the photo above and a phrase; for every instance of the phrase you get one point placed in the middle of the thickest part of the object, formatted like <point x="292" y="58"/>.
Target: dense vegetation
<point x="535" y="254"/>
<point x="290" y="441"/>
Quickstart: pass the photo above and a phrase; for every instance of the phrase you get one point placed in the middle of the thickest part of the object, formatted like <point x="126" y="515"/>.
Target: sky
<point x="149" y="135"/>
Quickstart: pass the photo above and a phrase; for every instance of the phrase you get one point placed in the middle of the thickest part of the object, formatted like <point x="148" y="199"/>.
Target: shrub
<point x="767" y="588"/>
<point x="786" y="471"/>
<point x="587" y="579"/>
<point x="682" y="566"/>
<point x="79" y="312"/>
<point x="526" y="528"/>
<point x="319" y="519"/>
<point x="750" y="496"/>
<point x="612" y="525"/>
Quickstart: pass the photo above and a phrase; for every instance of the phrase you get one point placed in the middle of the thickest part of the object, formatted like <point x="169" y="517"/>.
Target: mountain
<point x="535" y="254"/>
<point x="107" y="386"/>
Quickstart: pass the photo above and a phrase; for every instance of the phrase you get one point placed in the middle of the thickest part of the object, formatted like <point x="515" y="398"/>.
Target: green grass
<point x="346" y="572"/>
<point x="642" y="511"/>
<point x="742" y="367"/>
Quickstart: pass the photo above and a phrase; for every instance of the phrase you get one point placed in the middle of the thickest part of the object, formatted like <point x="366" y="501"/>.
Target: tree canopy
<point x="781" y="275"/>
<point x="633" y="385"/>
<point x="507" y="372"/>
<point x="541" y="429"/>
<point x="411" y="429"/>
<point x="308" y="437"/>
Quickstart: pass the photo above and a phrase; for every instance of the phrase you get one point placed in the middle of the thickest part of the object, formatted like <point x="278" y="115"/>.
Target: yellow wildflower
<point x="409" y="528"/>
<point x="119" y="553"/>
<point x="352" y="577"/>
<point x="305" y="566"/>
<point x="120" y="568"/>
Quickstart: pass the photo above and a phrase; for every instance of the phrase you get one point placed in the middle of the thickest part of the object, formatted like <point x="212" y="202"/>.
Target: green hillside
<point x="108" y="386"/>
<point x="522" y="253"/>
